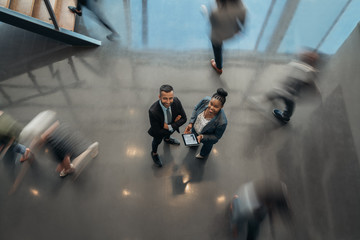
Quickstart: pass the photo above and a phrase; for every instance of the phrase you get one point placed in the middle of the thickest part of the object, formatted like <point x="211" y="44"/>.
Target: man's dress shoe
<point x="156" y="159"/>
<point x="172" y="141"/>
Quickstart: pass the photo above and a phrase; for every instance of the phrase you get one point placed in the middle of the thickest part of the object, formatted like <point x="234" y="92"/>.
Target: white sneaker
<point x="198" y="156"/>
<point x="64" y="172"/>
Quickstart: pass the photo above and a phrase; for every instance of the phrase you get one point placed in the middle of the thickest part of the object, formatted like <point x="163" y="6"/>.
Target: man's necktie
<point x="168" y="115"/>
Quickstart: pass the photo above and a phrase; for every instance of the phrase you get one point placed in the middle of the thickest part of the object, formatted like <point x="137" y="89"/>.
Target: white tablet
<point x="190" y="139"/>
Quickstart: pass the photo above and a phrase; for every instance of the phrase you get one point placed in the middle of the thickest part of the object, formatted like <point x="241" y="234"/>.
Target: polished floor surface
<point x="106" y="92"/>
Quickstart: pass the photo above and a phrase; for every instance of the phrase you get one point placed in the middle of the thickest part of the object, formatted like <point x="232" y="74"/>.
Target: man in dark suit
<point x="166" y="116"/>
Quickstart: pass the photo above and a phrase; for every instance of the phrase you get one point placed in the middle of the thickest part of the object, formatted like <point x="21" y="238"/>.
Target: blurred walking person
<point x="253" y="202"/>
<point x="302" y="72"/>
<point x="10" y="130"/>
<point x="68" y="147"/>
<point x="78" y="10"/>
<point x="226" y="20"/>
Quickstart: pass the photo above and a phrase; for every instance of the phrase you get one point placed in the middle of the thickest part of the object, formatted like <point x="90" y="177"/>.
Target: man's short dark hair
<point x="166" y="88"/>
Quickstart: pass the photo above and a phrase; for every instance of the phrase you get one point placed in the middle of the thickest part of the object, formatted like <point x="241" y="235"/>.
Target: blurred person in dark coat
<point x="67" y="146"/>
<point x="302" y="72"/>
<point x="226" y="20"/>
<point x="253" y="202"/>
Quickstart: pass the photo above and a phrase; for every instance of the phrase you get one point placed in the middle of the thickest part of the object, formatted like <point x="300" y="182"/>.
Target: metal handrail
<point x="52" y="14"/>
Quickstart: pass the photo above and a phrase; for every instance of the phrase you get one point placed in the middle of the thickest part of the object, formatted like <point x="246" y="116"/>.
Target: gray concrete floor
<point x="105" y="93"/>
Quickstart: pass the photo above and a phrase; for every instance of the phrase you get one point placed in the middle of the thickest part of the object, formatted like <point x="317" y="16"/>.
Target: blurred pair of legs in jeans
<point x="207" y="145"/>
<point x="217" y="62"/>
<point x="289" y="106"/>
<point x="102" y="20"/>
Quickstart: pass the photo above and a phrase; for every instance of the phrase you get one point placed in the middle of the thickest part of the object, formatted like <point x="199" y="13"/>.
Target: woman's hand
<point x="188" y="128"/>
<point x="200" y="137"/>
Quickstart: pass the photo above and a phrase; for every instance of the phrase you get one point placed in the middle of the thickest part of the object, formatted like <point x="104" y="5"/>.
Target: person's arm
<point x="38" y="142"/>
<point x="271" y="222"/>
<point x="181" y="118"/>
<point x="194" y="115"/>
<point x="188" y="128"/>
<point x="50" y="130"/>
<point x="158" y="127"/>
<point x="196" y="108"/>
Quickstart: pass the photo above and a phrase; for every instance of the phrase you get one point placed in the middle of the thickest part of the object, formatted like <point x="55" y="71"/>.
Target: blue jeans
<point x="206" y="149"/>
<point x="207" y="146"/>
<point x="217" y="48"/>
<point x="18" y="148"/>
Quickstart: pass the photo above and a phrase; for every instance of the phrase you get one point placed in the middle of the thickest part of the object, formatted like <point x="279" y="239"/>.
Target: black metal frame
<point x="52" y="14"/>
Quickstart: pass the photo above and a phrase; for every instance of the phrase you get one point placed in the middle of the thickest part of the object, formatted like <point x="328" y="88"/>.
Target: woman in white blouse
<point x="208" y="121"/>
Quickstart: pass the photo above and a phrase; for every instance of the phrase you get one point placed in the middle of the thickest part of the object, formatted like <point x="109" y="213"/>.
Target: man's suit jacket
<point x="157" y="118"/>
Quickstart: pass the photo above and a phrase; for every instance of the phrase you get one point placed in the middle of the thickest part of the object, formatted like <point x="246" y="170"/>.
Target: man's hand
<point x="177" y="118"/>
<point x="188" y="129"/>
<point x="166" y="126"/>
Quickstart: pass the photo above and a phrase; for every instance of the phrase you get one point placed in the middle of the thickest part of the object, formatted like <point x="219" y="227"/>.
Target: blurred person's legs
<point x="81" y="2"/>
<point x="114" y="35"/>
<point x="66" y="144"/>
<point x="237" y="219"/>
<point x="288" y="111"/>
<point x="65" y="167"/>
<point x="254" y="227"/>
<point x="62" y="151"/>
<point x="21" y="149"/>
<point x="103" y="20"/>
<point x="285" y="115"/>
<point x="78" y="9"/>
<point x="289" y="108"/>
<point x="100" y="16"/>
<point x="217" y="62"/>
<point x="18" y="148"/>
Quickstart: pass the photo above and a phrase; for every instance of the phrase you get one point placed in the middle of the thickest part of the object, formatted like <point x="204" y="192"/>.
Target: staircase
<point x="54" y="21"/>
